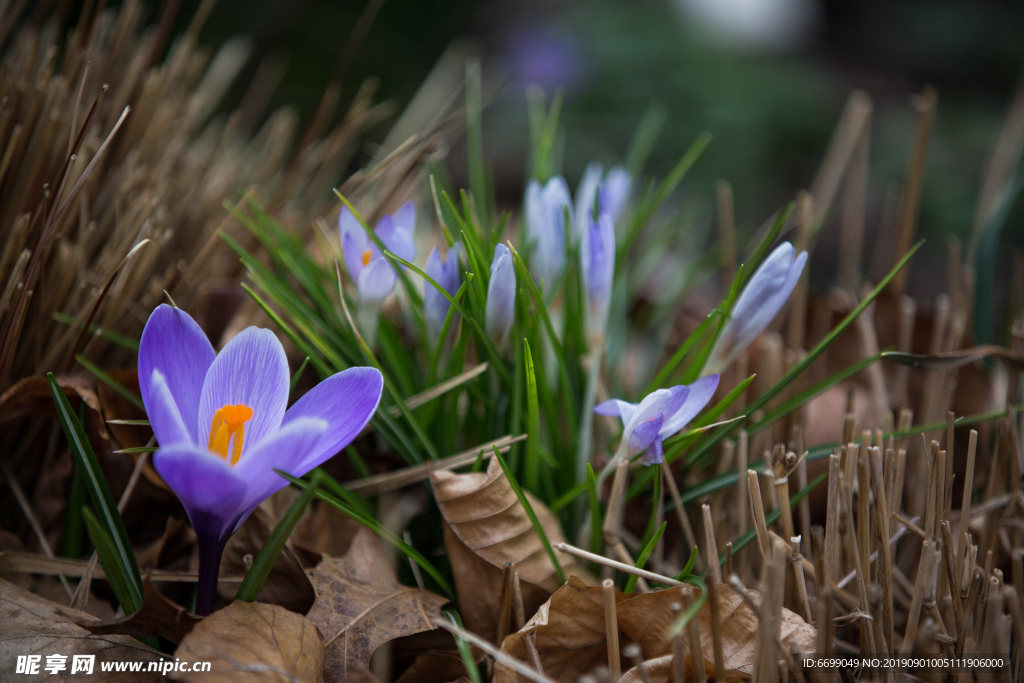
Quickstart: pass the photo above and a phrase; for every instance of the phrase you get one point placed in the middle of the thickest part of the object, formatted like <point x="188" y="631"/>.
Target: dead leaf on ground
<point x="250" y="641"/>
<point x="485" y="528"/>
<point x="570" y="636"/>
<point x="35" y="626"/>
<point x="159" y="616"/>
<point x="287" y="585"/>
<point x="325" y="531"/>
<point x="360" y="605"/>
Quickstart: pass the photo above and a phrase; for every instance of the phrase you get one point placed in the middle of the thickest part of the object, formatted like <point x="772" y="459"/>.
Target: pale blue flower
<point x="373" y="274"/>
<point x="546" y="210"/>
<point x="762" y="298"/>
<point x="659" y="415"/>
<point x="500" y="309"/>
<point x="445" y="273"/>
<point x="597" y="262"/>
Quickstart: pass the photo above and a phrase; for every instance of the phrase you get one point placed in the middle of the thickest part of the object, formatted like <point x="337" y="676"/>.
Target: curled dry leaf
<point x="360" y="606"/>
<point x="485" y="527"/>
<point x="253" y="641"/>
<point x="159" y="616"/>
<point x="570" y="636"/>
<point x="35" y="626"/>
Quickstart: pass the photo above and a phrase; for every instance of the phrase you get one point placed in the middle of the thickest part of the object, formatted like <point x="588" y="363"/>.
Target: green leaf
<point x="105" y="377"/>
<point x="121" y="560"/>
<point x="118" y="575"/>
<point x="532" y="467"/>
<point x="641" y="559"/>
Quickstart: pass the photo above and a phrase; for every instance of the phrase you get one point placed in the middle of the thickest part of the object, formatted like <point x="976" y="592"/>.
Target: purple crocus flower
<point x="500" y="309"/>
<point x="222" y="427"/>
<point x="658" y="416"/>
<point x="605" y="193"/>
<point x="597" y="262"/>
<point x="762" y="298"/>
<point x="546" y="211"/>
<point x="374" y="274"/>
<point x="446" y="274"/>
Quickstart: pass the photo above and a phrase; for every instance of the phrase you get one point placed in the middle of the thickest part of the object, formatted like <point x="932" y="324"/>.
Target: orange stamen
<point x="367" y="255"/>
<point x="228" y="429"/>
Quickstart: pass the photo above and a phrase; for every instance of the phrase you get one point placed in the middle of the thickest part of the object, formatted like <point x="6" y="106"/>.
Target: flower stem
<point x="210" y="551"/>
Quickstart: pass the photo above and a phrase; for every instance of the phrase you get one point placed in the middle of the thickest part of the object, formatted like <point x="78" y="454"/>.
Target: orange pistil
<point x="228" y="429"/>
<point x="367" y="255"/>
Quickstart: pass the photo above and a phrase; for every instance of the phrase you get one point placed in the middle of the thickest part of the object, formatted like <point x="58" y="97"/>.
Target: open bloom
<point x="445" y="273"/>
<point x="762" y="298"/>
<point x="546" y="210"/>
<point x="499" y="312"/>
<point x="374" y="274"/>
<point x="597" y="262"/>
<point x="598" y="193"/>
<point x="221" y="423"/>
<point x="658" y="416"/>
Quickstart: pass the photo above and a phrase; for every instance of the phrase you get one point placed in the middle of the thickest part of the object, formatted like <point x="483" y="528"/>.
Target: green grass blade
<point x="264" y="562"/>
<point x="465" y="652"/>
<point x="122" y="559"/>
<point x="118" y="575"/>
<point x="531" y="514"/>
<point x="111" y="336"/>
<point x="105" y="377"/>
<point x="532" y="465"/>
<point x="641" y="559"/>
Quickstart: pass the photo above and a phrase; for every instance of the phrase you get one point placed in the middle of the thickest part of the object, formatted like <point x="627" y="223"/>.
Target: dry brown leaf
<point x="250" y="641"/>
<point x="485" y="528"/>
<point x="287" y="585"/>
<point x="360" y="605"/>
<point x="570" y="637"/>
<point x="35" y="626"/>
<point x="159" y="616"/>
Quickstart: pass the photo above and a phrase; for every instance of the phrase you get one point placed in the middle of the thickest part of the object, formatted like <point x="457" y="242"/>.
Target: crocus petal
<point x="764" y="295"/>
<point x="165" y="418"/>
<point x="348" y="224"/>
<point x="586" y="195"/>
<point x="285" y="450"/>
<point x="446" y="274"/>
<point x="614" y="406"/>
<point x="653" y="455"/>
<point x="405" y="218"/>
<point x="614" y="192"/>
<point x="376" y="280"/>
<point x="396" y="232"/>
<point x="353" y="245"/>
<point x="534" y="210"/>
<point x="173" y="343"/>
<point x="658" y="402"/>
<point x="501" y="295"/>
<point x="211" y="491"/>
<point x="698" y="396"/>
<point x="251" y="369"/>
<point x="645" y="434"/>
<point x="597" y="261"/>
<point x="549" y="255"/>
<point x="346" y="401"/>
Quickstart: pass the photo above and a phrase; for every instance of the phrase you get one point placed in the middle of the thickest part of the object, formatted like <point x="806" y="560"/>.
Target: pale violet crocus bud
<point x="658" y="416"/>
<point x="760" y="301"/>
<point x="445" y="273"/>
<point x="373" y="273"/>
<point x="547" y="207"/>
<point x="501" y="296"/>
<point x="597" y="262"/>
<point x="599" y="193"/>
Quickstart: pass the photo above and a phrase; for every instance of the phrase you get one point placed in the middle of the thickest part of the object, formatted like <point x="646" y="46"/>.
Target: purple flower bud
<point x="373" y="274"/>
<point x="659" y="415"/>
<point x="762" y="298"/>
<point x="597" y="261"/>
<point x="446" y="274"/>
<point x="598" y="194"/>
<point x="501" y="296"/>
<point x="546" y="211"/>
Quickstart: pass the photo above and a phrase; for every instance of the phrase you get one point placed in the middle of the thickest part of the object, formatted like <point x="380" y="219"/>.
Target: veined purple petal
<point x="446" y="274"/>
<point x="347" y="401"/>
<point x="499" y="311"/>
<point x="614" y="192"/>
<point x="376" y="280"/>
<point x="285" y="450"/>
<point x="615" y="407"/>
<point x="173" y="343"/>
<point x="586" y="197"/>
<point x="654" y="454"/>
<point x="698" y="396"/>
<point x="169" y="427"/>
<point x="658" y="402"/>
<point x="646" y="434"/>
<point x="252" y="370"/>
<point x="210" y="490"/>
<point x="353" y="245"/>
